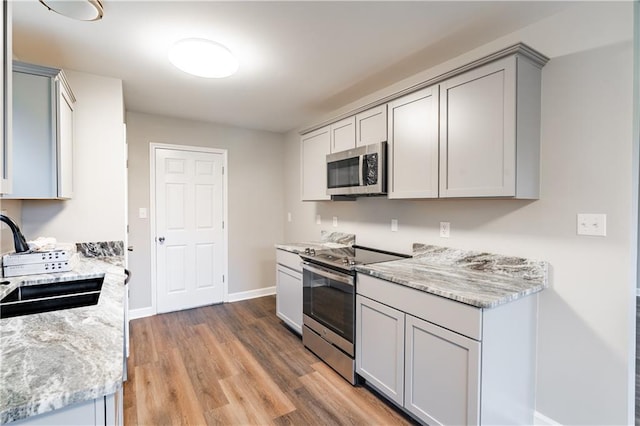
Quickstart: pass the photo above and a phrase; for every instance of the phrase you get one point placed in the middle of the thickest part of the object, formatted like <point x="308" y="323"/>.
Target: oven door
<point x="329" y="304"/>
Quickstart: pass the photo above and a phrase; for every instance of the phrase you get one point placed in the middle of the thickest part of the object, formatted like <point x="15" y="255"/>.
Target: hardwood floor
<point x="237" y="364"/>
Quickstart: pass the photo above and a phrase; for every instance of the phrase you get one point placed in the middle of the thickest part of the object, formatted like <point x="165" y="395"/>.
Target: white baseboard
<point x="540" y="419"/>
<point x="251" y="294"/>
<point x="141" y="313"/>
<point x="232" y="297"/>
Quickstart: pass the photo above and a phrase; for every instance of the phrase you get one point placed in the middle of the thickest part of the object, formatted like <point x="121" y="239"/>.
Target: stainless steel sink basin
<point x="34" y="299"/>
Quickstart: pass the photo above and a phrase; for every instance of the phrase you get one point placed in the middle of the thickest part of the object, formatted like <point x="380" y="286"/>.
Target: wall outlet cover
<point x="394" y="225"/>
<point x="318" y="220"/>
<point x="445" y="229"/>
<point x="335" y="221"/>
<point x="593" y="224"/>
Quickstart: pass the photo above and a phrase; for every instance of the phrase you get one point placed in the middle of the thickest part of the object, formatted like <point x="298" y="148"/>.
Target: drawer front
<point x="452" y="315"/>
<point x="288" y="259"/>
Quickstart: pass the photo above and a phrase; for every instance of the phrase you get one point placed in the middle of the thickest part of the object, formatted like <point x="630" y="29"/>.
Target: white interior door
<point x="189" y="240"/>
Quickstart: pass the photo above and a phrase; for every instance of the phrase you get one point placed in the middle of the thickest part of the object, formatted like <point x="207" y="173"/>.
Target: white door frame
<point x="152" y="214"/>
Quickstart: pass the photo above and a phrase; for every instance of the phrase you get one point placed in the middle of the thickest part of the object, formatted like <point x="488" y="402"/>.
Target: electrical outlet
<point x="2" y="224"/>
<point x="592" y="224"/>
<point x="394" y="225"/>
<point x="289" y="217"/>
<point x="445" y="228"/>
<point x="318" y="220"/>
<point x="335" y="221"/>
<point x="142" y="213"/>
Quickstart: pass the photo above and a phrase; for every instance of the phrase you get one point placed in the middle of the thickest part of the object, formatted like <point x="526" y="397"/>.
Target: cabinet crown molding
<point x="55" y="73"/>
<point x="518" y="49"/>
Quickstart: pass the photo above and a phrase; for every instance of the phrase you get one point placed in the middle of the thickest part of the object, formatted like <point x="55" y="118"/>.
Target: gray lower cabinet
<point x="380" y="347"/>
<point x="103" y="411"/>
<point x="289" y="289"/>
<point x="451" y="362"/>
<point x="444" y="362"/>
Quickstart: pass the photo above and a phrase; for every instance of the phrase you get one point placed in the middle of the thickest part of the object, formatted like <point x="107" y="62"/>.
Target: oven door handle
<point x="345" y="279"/>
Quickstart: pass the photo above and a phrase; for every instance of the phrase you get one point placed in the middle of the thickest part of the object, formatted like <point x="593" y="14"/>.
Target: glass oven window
<point x="343" y="173"/>
<point x="329" y="302"/>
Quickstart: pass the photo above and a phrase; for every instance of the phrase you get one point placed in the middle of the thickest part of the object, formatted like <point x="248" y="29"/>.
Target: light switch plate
<point x="318" y="220"/>
<point x="335" y="221"/>
<point x="445" y="229"/>
<point x="2" y="224"/>
<point x="394" y="225"/>
<point x="289" y="217"/>
<point x="142" y="212"/>
<point x="592" y="224"/>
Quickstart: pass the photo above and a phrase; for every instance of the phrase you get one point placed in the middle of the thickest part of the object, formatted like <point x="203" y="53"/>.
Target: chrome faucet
<point x="19" y="242"/>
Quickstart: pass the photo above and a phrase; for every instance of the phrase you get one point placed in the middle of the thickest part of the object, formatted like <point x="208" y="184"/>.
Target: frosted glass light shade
<point x="82" y="10"/>
<point x="203" y="58"/>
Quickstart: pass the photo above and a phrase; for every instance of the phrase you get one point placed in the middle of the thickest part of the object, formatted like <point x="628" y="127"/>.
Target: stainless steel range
<point x="329" y="300"/>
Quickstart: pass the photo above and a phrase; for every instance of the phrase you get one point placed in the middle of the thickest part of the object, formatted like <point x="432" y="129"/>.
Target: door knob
<point x="161" y="239"/>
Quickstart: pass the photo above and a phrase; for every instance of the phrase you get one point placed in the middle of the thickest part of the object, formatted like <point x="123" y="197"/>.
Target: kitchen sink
<point x="34" y="299"/>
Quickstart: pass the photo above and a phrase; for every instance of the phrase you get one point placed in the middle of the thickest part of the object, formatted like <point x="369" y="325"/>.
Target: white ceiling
<point x="298" y="60"/>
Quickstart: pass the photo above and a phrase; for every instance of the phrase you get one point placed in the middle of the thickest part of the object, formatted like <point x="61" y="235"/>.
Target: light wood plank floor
<point x="237" y="364"/>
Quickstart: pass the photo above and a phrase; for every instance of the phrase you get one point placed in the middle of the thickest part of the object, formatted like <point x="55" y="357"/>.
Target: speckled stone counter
<point x="54" y="359"/>
<point x="329" y="240"/>
<point x="479" y="279"/>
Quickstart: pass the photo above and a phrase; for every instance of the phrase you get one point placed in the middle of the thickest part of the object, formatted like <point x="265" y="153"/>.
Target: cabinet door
<point x="5" y="95"/>
<point x="413" y="145"/>
<point x="343" y="135"/>
<point x="478" y="132"/>
<point x="315" y="147"/>
<point x="34" y="132"/>
<point x="371" y="126"/>
<point x="442" y="383"/>
<point x="380" y="347"/>
<point x="289" y="297"/>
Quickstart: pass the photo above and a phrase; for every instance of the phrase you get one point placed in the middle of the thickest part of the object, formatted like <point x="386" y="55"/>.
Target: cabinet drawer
<point x="452" y="315"/>
<point x="288" y="259"/>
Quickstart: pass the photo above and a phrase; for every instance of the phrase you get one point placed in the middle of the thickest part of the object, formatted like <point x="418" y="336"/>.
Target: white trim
<point x="141" y="313"/>
<point x="542" y="420"/>
<point x="251" y="294"/>
<point x="152" y="213"/>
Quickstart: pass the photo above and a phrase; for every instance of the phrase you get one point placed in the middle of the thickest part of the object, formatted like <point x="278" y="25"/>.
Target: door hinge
<point x="223" y="278"/>
<point x="223" y="224"/>
<point x="222" y="169"/>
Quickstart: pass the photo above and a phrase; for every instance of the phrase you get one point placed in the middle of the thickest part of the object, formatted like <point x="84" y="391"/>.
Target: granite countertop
<point x="329" y="240"/>
<point x="54" y="359"/>
<point x="483" y="280"/>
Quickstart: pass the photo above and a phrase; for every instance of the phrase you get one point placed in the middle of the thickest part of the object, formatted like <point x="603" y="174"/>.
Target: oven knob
<point x="352" y="262"/>
<point x="307" y="250"/>
<point x="312" y="252"/>
<point x="345" y="261"/>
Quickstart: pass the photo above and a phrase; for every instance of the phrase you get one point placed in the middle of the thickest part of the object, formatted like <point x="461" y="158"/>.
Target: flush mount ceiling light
<point x="82" y="10"/>
<point x="203" y="58"/>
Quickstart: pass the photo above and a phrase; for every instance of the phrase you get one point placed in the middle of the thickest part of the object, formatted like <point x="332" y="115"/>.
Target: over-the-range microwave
<point x="358" y="171"/>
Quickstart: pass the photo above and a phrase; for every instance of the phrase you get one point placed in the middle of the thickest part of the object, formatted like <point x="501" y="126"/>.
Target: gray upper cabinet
<point x="371" y="126"/>
<point x="490" y="131"/>
<point x="343" y="135"/>
<point x="42" y="154"/>
<point x="413" y="145"/>
<point x="314" y="149"/>
<point x="5" y="94"/>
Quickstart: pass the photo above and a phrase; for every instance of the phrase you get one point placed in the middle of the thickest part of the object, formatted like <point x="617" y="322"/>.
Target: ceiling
<point x="298" y="60"/>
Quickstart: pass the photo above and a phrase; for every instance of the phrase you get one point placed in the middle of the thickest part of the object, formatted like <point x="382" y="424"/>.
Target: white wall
<point x="12" y="209"/>
<point x="97" y="210"/>
<point x="585" y="327"/>
<point x="255" y="209"/>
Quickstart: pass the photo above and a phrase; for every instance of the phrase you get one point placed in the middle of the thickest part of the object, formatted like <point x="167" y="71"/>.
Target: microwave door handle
<point x="361" y="170"/>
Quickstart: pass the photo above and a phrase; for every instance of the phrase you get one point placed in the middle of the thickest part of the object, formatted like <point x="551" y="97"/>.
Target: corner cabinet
<point x="314" y="148"/>
<point x="413" y="145"/>
<point x="5" y="93"/>
<point x="445" y="362"/>
<point x="42" y="156"/>
<point x="289" y="289"/>
<point x="490" y="131"/>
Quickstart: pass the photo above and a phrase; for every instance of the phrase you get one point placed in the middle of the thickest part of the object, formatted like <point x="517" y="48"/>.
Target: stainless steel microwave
<point x="358" y="171"/>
